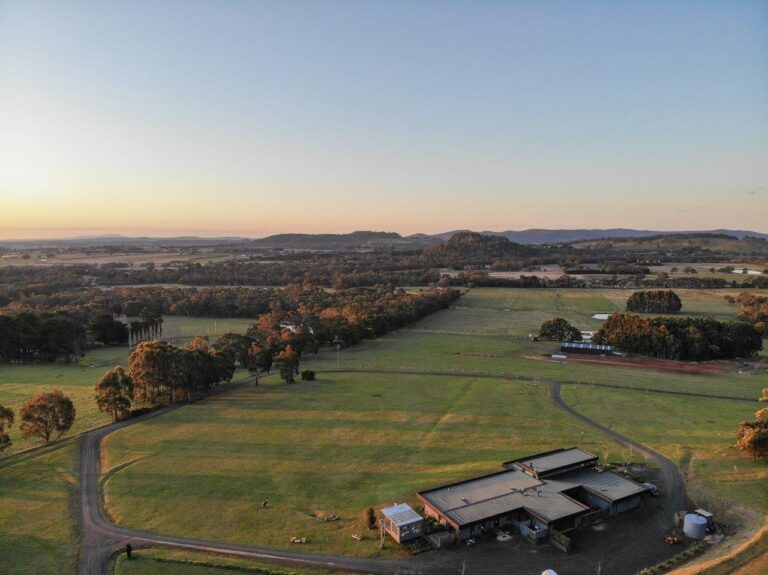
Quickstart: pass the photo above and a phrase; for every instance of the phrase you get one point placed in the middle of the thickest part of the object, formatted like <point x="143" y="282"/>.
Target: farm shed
<point x="558" y="490"/>
<point x="401" y="522"/>
<point x="586" y="348"/>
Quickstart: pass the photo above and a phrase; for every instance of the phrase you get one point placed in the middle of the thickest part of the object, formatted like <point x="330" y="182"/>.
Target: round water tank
<point x="695" y="526"/>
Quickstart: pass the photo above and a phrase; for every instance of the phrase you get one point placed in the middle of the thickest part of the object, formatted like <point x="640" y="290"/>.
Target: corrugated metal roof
<point x="556" y="459"/>
<point x="401" y="514"/>
<point x="579" y="345"/>
<point x="500" y="493"/>
<point x="605" y="483"/>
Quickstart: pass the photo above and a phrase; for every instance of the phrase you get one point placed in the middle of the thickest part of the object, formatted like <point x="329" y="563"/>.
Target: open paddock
<point x="334" y="446"/>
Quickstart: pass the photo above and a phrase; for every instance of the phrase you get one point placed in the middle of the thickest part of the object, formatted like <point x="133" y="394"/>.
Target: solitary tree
<point x="6" y="420"/>
<point x="48" y="415"/>
<point x="259" y="357"/>
<point x="289" y="364"/>
<point x="559" y="329"/>
<point x="114" y="393"/>
<point x="752" y="436"/>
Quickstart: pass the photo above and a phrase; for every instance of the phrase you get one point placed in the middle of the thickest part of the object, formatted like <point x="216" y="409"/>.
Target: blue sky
<point x="259" y="117"/>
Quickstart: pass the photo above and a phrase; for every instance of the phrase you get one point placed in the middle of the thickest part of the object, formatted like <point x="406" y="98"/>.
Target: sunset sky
<point x="251" y="118"/>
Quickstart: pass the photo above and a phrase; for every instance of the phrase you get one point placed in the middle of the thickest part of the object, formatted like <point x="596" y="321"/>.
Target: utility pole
<point x="382" y="531"/>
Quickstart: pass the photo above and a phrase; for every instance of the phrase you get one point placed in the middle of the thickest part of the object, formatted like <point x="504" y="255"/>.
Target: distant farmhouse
<point x="554" y="491"/>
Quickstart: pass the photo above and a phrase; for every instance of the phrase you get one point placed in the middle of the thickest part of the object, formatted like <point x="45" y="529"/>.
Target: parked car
<point x="652" y="488"/>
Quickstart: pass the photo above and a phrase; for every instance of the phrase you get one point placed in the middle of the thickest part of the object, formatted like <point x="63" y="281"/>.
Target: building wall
<point x="410" y="531"/>
<point x="593" y="500"/>
<point x="626" y="505"/>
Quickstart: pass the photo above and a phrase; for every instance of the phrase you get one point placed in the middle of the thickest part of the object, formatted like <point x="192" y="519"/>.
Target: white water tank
<point x="695" y="526"/>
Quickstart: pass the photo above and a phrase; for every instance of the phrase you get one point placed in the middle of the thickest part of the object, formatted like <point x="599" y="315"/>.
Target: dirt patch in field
<point x="475" y="354"/>
<point x="664" y="365"/>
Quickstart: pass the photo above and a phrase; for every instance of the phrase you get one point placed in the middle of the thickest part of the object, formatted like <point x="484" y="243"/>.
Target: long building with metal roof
<point x="555" y="490"/>
<point x="588" y="348"/>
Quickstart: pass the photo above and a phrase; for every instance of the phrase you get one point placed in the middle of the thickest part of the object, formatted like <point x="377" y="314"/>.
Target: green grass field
<point x="37" y="527"/>
<point x="355" y="439"/>
<point x="488" y="322"/>
<point x="698" y="434"/>
<point x="350" y="440"/>
<point x="335" y="446"/>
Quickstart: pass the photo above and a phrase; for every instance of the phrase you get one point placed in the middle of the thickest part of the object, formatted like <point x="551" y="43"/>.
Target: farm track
<point x="670" y="474"/>
<point x="535" y="380"/>
<point x="102" y="540"/>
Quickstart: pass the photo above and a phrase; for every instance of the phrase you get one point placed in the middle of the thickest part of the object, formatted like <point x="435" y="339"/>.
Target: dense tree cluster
<point x="476" y="249"/>
<point x="352" y="270"/>
<point x="754" y="309"/>
<point x="47" y="337"/>
<point x="160" y="371"/>
<point x="129" y="302"/>
<point x="680" y="338"/>
<point x="558" y="329"/>
<point x="752" y="436"/>
<point x="105" y="329"/>
<point x="654" y="301"/>
<point x="28" y="279"/>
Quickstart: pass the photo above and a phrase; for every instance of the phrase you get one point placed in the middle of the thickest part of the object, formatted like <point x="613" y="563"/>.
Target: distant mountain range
<point x="542" y="236"/>
<point x="355" y="240"/>
<point x="362" y="239"/>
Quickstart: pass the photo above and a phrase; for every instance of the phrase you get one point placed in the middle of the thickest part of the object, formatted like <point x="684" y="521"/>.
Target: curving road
<point x="674" y="494"/>
<point x="101" y="539"/>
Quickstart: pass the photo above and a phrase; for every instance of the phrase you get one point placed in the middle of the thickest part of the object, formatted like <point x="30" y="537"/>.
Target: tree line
<point x="479" y="278"/>
<point x="680" y="338"/>
<point x="161" y="372"/>
<point x="129" y="302"/>
<point x="47" y="337"/>
<point x="654" y="301"/>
